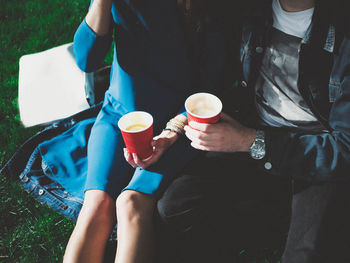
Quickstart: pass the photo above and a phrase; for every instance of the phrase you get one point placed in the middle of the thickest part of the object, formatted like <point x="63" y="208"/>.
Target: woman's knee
<point x="133" y="205"/>
<point x="98" y="206"/>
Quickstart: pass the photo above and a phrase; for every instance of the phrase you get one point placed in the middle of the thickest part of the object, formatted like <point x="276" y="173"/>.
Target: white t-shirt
<point x="291" y="23"/>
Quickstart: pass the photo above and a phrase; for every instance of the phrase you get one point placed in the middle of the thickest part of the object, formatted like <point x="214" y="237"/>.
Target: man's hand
<point x="160" y="144"/>
<point x="227" y="135"/>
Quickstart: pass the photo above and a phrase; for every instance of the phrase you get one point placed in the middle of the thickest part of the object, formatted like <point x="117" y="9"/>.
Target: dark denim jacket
<point x="26" y="164"/>
<point x="324" y="82"/>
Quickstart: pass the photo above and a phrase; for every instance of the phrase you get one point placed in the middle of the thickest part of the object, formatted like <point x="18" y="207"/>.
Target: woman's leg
<point x="94" y="225"/>
<point x="135" y="227"/>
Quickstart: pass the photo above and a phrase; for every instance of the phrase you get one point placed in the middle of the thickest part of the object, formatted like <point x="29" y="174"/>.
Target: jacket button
<point x="244" y="84"/>
<point x="25" y="179"/>
<point x="268" y="166"/>
<point x="41" y="192"/>
<point x="63" y="206"/>
<point x="259" y="50"/>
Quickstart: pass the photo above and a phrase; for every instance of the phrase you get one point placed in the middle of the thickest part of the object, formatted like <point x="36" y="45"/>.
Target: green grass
<point x="29" y="231"/>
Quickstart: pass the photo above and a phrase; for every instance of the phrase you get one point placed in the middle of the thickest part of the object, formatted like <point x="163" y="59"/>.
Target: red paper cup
<point x="203" y="108"/>
<point x="137" y="132"/>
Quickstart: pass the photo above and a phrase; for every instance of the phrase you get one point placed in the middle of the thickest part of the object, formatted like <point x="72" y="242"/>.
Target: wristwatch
<point x="257" y="150"/>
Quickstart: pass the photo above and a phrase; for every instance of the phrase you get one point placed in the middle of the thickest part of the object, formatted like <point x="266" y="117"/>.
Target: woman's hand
<point x="227" y="135"/>
<point x="160" y="144"/>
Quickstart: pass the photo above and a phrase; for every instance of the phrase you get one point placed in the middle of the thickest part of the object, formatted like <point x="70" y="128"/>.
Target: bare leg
<point x="135" y="227"/>
<point x="94" y="225"/>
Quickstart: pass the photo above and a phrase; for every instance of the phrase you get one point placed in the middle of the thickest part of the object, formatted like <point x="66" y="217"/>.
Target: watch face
<point x="258" y="150"/>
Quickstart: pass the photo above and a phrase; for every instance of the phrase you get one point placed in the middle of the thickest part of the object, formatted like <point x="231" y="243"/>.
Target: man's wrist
<point x="249" y="139"/>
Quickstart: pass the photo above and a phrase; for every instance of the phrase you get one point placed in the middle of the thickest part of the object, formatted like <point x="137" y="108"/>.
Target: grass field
<point x="30" y="232"/>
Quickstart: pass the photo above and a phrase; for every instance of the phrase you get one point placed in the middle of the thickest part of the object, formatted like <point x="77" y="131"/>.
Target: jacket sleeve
<point x="316" y="157"/>
<point x="90" y="49"/>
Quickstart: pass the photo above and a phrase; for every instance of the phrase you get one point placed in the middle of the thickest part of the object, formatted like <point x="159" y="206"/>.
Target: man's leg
<point x="190" y="223"/>
<point x="320" y="224"/>
<point x="229" y="205"/>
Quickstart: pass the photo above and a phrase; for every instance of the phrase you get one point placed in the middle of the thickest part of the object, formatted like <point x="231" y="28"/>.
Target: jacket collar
<point x="329" y="42"/>
<point x="262" y="15"/>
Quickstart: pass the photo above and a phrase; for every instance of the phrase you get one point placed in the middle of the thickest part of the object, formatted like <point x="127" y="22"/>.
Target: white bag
<point x="51" y="86"/>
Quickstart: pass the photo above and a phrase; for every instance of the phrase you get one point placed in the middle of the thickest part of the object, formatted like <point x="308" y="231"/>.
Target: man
<point x="282" y="173"/>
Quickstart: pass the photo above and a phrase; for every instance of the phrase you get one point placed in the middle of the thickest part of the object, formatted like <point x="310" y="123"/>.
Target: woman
<point x="134" y="81"/>
<point x="151" y="72"/>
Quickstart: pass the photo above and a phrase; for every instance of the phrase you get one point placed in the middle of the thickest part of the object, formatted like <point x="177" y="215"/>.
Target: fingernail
<point x="126" y="152"/>
<point x="134" y="155"/>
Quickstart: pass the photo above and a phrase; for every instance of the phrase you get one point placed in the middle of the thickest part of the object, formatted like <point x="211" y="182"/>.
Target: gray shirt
<point x="278" y="100"/>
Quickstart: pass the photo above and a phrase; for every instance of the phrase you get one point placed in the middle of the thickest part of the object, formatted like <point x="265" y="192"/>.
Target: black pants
<point x="223" y="204"/>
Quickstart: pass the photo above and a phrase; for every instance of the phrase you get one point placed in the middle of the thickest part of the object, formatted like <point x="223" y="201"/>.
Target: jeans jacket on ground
<point x="26" y="164"/>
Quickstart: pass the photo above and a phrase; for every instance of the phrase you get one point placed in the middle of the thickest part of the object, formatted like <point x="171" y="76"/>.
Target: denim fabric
<point x="34" y="179"/>
<point x="37" y="179"/>
<point x="26" y="164"/>
<point x="323" y="82"/>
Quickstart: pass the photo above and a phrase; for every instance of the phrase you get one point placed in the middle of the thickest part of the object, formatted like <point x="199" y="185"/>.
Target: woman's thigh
<point x="107" y="168"/>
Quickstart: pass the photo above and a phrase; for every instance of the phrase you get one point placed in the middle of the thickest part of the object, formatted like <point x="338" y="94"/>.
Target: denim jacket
<point x="26" y="165"/>
<point x="324" y="83"/>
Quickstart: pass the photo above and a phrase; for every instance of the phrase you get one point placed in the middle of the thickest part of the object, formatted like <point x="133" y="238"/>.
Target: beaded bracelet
<point x="169" y="129"/>
<point x="173" y="126"/>
<point x="178" y="123"/>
